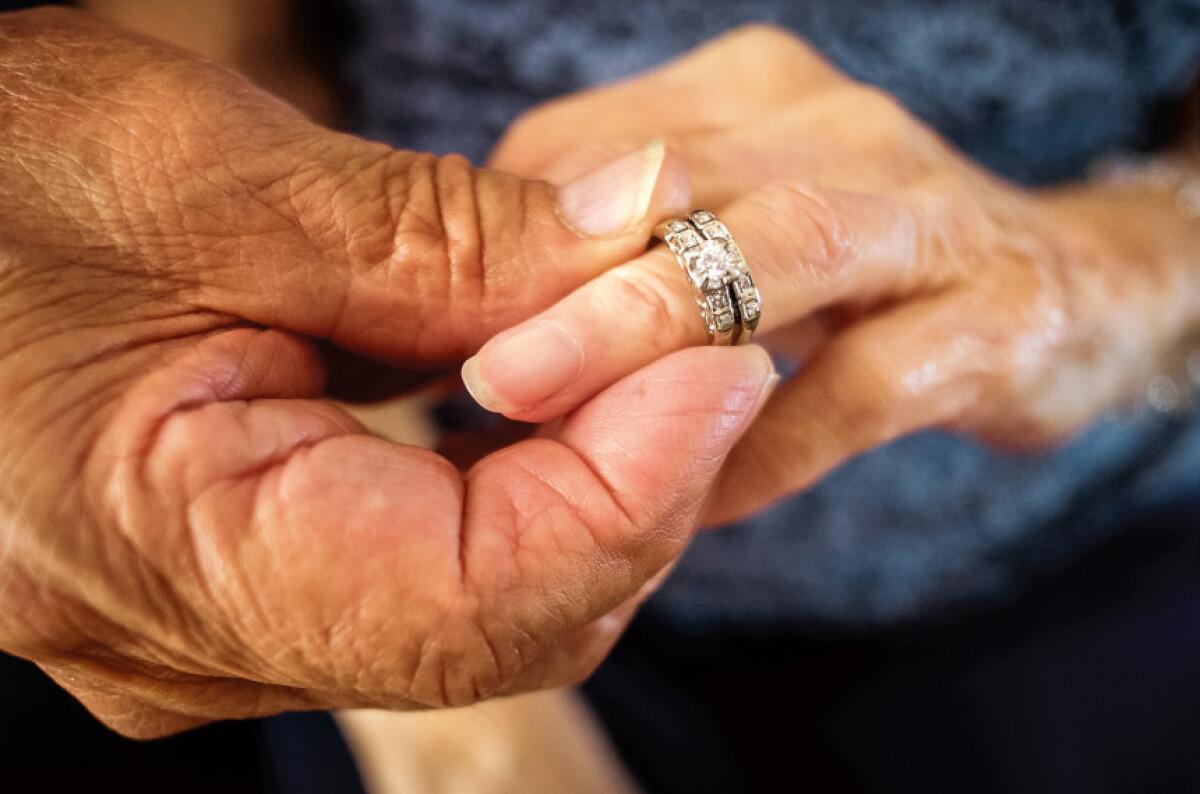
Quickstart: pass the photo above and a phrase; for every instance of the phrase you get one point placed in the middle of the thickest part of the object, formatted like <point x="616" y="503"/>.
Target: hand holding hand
<point x="187" y="530"/>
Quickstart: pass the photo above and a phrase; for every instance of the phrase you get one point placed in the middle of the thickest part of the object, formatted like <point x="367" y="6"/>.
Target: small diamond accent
<point x="701" y="217"/>
<point x="711" y="264"/>
<point x="683" y="240"/>
<point x="718" y="301"/>
<point x="724" y="321"/>
<point x="679" y="226"/>
<point x="750" y="309"/>
<point x="716" y="231"/>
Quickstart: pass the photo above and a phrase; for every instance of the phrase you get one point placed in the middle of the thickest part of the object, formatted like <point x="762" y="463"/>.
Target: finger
<point x="650" y="444"/>
<point x="807" y="248"/>
<point x="854" y="124"/>
<point x="305" y="554"/>
<point x="209" y="193"/>
<point x="907" y="369"/>
<point x="415" y="259"/>
<point x="747" y="74"/>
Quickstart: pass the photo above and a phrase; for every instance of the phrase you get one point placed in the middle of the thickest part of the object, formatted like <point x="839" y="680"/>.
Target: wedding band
<point x="730" y="304"/>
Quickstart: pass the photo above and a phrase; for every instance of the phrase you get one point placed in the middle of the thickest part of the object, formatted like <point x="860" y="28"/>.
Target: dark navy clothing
<point x="751" y="671"/>
<point x="1032" y="88"/>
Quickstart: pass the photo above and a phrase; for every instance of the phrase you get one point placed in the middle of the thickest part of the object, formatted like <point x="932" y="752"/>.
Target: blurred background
<point x="1063" y="665"/>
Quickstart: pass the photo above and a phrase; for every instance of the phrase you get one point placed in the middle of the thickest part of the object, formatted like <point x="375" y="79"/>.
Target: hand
<point x="187" y="531"/>
<point x="917" y="290"/>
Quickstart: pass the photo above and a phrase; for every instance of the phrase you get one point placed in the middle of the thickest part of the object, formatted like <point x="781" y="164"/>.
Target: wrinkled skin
<point x="188" y="531"/>
<point x="918" y="290"/>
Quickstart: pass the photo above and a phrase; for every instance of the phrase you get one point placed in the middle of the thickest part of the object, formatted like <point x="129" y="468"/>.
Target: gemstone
<point x="750" y="310"/>
<point x="701" y="217"/>
<point x="711" y="264"/>
<point x="683" y="240"/>
<point x="716" y="231"/>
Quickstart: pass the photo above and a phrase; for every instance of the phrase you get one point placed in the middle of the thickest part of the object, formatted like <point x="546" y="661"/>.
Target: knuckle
<point x="879" y="105"/>
<point x="768" y="41"/>
<point x="458" y="229"/>
<point x="808" y="214"/>
<point x="527" y="128"/>
<point x="888" y="117"/>
<point x="653" y="297"/>
<point x="892" y="122"/>
<point x="426" y="198"/>
<point x="427" y="219"/>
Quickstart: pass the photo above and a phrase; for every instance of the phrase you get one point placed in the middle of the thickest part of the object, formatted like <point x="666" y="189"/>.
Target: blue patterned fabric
<point x="1032" y="88"/>
<point x="1035" y="89"/>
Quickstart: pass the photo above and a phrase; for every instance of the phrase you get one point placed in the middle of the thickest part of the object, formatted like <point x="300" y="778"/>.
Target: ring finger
<point x="807" y="249"/>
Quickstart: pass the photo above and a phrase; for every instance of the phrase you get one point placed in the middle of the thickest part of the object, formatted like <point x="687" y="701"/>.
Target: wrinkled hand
<point x="918" y="290"/>
<point x="187" y="531"/>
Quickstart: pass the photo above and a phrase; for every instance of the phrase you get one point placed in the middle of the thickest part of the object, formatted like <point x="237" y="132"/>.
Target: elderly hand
<point x="917" y="290"/>
<point x="187" y="531"/>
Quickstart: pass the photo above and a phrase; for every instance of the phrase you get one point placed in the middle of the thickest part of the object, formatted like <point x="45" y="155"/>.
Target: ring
<point x="730" y="304"/>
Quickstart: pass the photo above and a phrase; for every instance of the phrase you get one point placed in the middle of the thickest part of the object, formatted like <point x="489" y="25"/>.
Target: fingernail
<point x="768" y="388"/>
<point x="517" y="369"/>
<point x="740" y="420"/>
<point x="617" y="197"/>
<point x="742" y="408"/>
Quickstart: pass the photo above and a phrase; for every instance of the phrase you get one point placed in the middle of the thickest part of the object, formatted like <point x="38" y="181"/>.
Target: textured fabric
<point x="1035" y="89"/>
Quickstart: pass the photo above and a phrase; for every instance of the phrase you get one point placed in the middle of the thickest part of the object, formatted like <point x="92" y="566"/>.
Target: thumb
<point x="213" y="194"/>
<point x="310" y="564"/>
<point x="417" y="259"/>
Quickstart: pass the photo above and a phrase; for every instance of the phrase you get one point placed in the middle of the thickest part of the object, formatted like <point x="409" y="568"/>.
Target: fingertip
<point x="480" y="389"/>
<point x="748" y="388"/>
<point x="515" y="371"/>
<point x="673" y="191"/>
<point x="626" y="195"/>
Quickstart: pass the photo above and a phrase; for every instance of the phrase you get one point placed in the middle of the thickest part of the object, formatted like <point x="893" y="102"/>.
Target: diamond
<point x="724" y="321"/>
<point x="711" y="264"/>
<point x="679" y="226"/>
<point x="716" y="231"/>
<point x="751" y="309"/>
<point x="701" y="217"/>
<point x="718" y="301"/>
<point x="683" y="240"/>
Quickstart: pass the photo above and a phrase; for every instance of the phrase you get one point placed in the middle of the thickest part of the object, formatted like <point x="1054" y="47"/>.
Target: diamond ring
<point x="730" y="304"/>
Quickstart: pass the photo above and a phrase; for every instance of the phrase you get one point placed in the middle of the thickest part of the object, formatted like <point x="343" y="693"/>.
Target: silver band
<point x="730" y="304"/>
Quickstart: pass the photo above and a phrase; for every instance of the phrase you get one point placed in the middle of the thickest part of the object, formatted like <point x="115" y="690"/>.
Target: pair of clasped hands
<point x="191" y="530"/>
